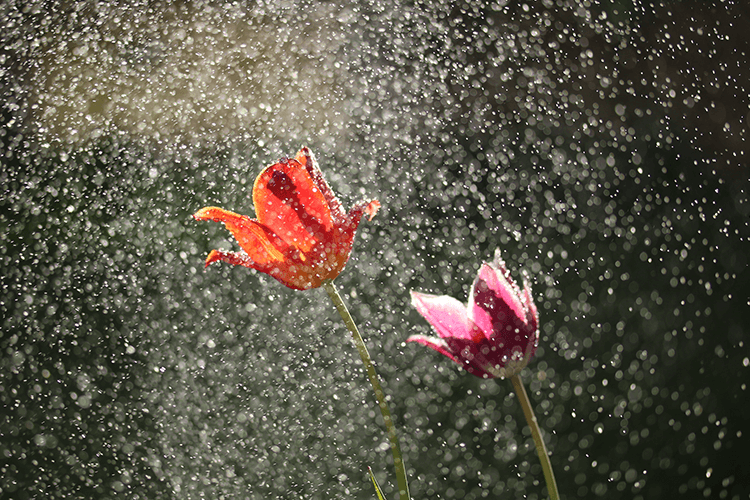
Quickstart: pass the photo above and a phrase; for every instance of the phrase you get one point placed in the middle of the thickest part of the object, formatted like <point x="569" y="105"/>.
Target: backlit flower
<point x="495" y="336"/>
<point x="301" y="234"/>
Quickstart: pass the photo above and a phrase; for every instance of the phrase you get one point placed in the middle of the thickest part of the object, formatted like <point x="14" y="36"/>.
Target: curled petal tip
<point x="216" y="214"/>
<point x="204" y="213"/>
<point x="413" y="338"/>
<point x="213" y="256"/>
<point x="415" y="296"/>
<point x="434" y="342"/>
<point x="372" y="209"/>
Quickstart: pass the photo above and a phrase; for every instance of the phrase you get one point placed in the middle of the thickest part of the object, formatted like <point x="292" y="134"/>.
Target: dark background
<point x="602" y="148"/>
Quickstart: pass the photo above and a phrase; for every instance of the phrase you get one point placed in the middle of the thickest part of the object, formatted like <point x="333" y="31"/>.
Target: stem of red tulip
<point x="536" y="433"/>
<point x="398" y="462"/>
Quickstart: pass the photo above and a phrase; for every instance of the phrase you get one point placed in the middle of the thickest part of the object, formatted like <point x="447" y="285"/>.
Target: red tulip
<point x="301" y="235"/>
<point x="495" y="336"/>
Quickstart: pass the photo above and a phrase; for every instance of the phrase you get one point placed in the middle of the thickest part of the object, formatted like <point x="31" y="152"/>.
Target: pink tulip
<point x="496" y="335"/>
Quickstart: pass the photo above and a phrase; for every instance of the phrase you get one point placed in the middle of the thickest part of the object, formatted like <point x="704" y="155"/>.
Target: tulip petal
<point x="234" y="258"/>
<point x="435" y="343"/>
<point x="447" y="316"/>
<point x="307" y="160"/>
<point x="364" y="208"/>
<point x="477" y="357"/>
<point x="495" y="302"/>
<point x="288" y="201"/>
<point x="264" y="249"/>
<point x="347" y="230"/>
<point x="463" y="352"/>
<point x="532" y="315"/>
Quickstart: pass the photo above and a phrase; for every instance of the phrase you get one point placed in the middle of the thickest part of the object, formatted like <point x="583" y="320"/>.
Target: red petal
<point x="234" y="258"/>
<point x="307" y="160"/>
<point x="262" y="246"/>
<point x="288" y="201"/>
<point x="372" y="208"/>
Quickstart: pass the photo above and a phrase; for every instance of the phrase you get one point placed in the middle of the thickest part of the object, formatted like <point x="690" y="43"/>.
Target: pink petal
<point x="532" y="315"/>
<point x="434" y="343"/>
<point x="495" y="302"/>
<point x="446" y="315"/>
<point x="464" y="354"/>
<point x="481" y="358"/>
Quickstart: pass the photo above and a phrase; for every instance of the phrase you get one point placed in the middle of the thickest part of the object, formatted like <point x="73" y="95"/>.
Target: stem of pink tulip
<point x="536" y="433"/>
<point x="398" y="462"/>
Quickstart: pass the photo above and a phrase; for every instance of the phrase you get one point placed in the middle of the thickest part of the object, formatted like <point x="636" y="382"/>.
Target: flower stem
<point x="398" y="462"/>
<point x="536" y="433"/>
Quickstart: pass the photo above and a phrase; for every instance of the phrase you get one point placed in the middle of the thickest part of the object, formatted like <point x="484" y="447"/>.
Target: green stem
<point x="398" y="462"/>
<point x="536" y="433"/>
